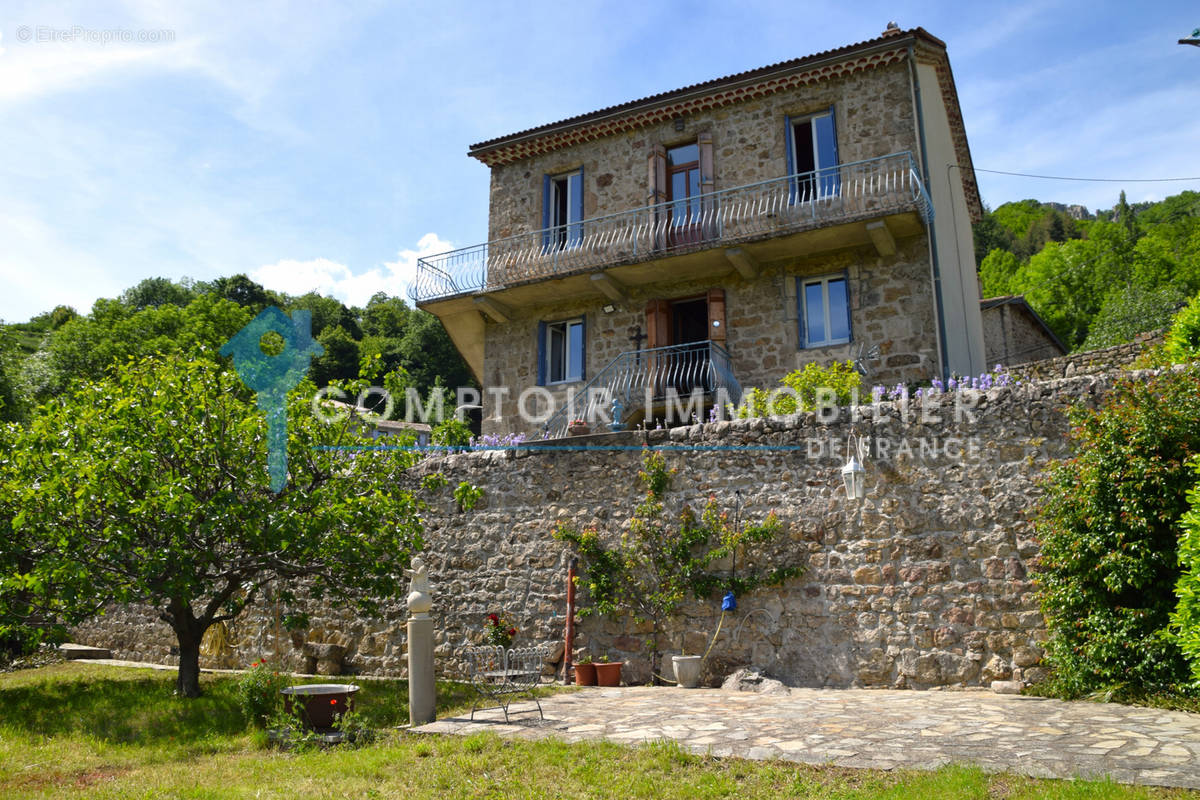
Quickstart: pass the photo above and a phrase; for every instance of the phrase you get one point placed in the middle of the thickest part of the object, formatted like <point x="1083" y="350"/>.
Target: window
<point x="824" y="310"/>
<point x="562" y="210"/>
<point x="561" y="351"/>
<point x="813" y="157"/>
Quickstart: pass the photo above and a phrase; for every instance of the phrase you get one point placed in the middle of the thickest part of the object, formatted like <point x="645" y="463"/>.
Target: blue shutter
<point x="800" y="335"/>
<point x="546" y="204"/>
<point x="576" y="235"/>
<point x="830" y="180"/>
<point x="789" y="151"/>
<point x="541" y="354"/>
<point x="583" y="359"/>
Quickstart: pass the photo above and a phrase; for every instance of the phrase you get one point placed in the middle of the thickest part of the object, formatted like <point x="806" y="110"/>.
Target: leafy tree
<point x="151" y="486"/>
<point x="327" y="312"/>
<point x="340" y="360"/>
<point x="996" y="273"/>
<point x="11" y="402"/>
<point x="648" y="574"/>
<point x="155" y="292"/>
<point x="1128" y="312"/>
<point x="1108" y="524"/>
<point x="1183" y="340"/>
<point x="241" y="290"/>
<point x="385" y="316"/>
<point x="429" y="356"/>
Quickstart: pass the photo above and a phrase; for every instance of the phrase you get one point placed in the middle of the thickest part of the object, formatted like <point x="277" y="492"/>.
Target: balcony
<point x="837" y="200"/>
<point x="660" y="381"/>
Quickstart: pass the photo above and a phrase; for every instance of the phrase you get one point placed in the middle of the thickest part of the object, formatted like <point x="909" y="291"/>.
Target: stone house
<point x="1015" y="333"/>
<point x="719" y="236"/>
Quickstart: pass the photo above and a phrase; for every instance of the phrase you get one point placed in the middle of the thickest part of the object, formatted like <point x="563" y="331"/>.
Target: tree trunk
<point x="189" y="632"/>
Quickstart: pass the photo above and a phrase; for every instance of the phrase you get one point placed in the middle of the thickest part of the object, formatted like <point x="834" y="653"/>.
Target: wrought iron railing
<point x="857" y="190"/>
<point x="648" y="379"/>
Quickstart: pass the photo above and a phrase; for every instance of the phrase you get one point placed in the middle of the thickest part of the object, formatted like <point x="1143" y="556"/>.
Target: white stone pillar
<point x="422" y="684"/>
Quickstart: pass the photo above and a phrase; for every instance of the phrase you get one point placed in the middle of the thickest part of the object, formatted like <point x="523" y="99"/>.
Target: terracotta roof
<point x="889" y="48"/>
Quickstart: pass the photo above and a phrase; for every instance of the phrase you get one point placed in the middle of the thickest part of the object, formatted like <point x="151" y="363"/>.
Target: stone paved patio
<point x="878" y="729"/>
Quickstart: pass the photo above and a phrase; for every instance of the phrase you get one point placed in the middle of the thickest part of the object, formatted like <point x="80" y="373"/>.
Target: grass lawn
<point x="90" y="731"/>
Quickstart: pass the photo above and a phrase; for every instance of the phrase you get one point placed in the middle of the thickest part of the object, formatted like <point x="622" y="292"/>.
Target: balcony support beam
<point x="493" y="308"/>
<point x="746" y="264"/>
<point x="613" y="289"/>
<point x="881" y="237"/>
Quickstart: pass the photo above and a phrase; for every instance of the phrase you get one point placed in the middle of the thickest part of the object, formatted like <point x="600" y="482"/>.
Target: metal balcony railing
<point x="847" y="192"/>
<point x="641" y="379"/>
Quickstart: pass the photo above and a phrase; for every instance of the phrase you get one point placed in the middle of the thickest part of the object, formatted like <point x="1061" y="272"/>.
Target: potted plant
<point x="608" y="673"/>
<point x="578" y="427"/>
<point x="585" y="671"/>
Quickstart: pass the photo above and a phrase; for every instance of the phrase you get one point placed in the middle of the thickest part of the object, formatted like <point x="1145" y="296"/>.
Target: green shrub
<point x="451" y="432"/>
<point x="799" y="389"/>
<point x="1183" y="341"/>
<point x="1185" y="621"/>
<point x="1108" y="526"/>
<point x="258" y="693"/>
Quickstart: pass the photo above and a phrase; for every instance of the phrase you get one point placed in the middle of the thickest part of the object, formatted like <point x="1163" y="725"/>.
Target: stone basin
<point x="322" y="701"/>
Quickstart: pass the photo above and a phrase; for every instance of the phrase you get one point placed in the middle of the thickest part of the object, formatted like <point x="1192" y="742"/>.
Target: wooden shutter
<point x="658" y="323"/>
<point x="705" y="143"/>
<point x="716" y="316"/>
<point x="541" y="354"/>
<point x="657" y="178"/>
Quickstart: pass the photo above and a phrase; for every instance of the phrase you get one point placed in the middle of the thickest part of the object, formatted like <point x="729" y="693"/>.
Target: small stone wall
<point x="924" y="583"/>
<point x="1106" y="359"/>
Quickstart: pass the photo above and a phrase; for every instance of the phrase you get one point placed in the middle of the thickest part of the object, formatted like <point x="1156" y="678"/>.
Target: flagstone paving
<point x="877" y="729"/>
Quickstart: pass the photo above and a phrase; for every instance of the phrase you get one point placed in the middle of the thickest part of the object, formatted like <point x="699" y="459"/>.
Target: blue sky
<point x="323" y="146"/>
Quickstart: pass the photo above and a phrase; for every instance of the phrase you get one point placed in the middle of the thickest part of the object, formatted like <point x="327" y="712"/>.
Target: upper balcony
<point x="794" y="215"/>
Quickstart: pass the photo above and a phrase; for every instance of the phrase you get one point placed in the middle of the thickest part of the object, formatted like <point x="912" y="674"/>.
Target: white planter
<point x="687" y="670"/>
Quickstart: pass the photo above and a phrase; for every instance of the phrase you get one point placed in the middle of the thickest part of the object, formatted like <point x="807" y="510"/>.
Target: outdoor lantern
<point x="852" y="476"/>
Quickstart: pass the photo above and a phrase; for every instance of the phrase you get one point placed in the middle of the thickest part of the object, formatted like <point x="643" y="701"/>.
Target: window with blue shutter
<point x="824" y="306"/>
<point x="562" y="210"/>
<point x="812" y="157"/>
<point x="562" y="351"/>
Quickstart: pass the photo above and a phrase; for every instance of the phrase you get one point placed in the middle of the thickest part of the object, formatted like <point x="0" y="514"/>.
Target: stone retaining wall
<point x="1106" y="359"/>
<point x="925" y="582"/>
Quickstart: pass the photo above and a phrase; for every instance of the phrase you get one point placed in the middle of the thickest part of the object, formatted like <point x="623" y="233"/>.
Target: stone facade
<point x="926" y="582"/>
<point x="891" y="305"/>
<point x="873" y="116"/>
<point x="1014" y="334"/>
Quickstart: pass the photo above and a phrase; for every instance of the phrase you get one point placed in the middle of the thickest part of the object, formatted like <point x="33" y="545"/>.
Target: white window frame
<point x="548" y="351"/>
<point x="802" y="302"/>
<point x="566" y="234"/>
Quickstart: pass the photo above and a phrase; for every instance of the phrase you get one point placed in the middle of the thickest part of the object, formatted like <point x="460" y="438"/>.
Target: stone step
<point x="73" y="651"/>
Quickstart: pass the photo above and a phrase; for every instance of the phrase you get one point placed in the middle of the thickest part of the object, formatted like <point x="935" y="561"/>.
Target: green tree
<point x="151" y="486"/>
<point x="339" y="362"/>
<point x="327" y="312"/>
<point x="11" y="402"/>
<point x="155" y="292"/>
<point x="1108" y="525"/>
<point x="996" y="273"/>
<point x="1129" y="311"/>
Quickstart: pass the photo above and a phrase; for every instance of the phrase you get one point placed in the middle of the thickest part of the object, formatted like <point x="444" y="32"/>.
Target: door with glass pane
<point x="683" y="196"/>
<point x="814" y="159"/>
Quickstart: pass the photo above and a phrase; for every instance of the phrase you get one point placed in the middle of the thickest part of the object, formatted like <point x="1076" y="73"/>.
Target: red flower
<point x="333" y="702"/>
<point x="493" y="618"/>
<point x="512" y="631"/>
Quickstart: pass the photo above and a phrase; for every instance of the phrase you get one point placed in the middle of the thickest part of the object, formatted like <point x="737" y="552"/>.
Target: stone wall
<point x="891" y="305"/>
<point x="925" y="582"/>
<point x="1090" y="362"/>
<point x="1014" y="336"/>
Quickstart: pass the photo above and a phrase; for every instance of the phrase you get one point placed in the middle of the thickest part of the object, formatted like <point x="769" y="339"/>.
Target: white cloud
<point x="332" y="278"/>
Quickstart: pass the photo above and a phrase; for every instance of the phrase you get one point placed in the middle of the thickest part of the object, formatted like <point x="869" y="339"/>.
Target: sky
<point x="322" y="146"/>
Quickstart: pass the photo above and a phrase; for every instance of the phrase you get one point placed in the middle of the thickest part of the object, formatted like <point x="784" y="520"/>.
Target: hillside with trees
<point x="1099" y="279"/>
<point x="42" y="358"/>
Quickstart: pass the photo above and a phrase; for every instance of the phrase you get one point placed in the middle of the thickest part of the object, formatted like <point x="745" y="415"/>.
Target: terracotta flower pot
<point x="608" y="674"/>
<point x="578" y="430"/>
<point x="585" y="674"/>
